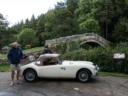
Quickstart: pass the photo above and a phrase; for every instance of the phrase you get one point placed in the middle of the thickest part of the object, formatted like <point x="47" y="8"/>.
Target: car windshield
<point x="49" y="59"/>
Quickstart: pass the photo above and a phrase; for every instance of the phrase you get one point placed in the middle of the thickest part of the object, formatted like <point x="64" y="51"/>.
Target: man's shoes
<point x="12" y="83"/>
<point x="18" y="82"/>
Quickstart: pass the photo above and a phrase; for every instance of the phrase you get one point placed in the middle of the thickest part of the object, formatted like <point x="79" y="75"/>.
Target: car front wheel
<point x="83" y="75"/>
<point x="30" y="75"/>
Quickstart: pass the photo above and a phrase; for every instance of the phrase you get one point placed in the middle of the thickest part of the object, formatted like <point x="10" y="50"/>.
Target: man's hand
<point x="22" y="61"/>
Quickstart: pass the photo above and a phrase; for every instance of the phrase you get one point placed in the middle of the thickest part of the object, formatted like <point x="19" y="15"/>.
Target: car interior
<point x="48" y="61"/>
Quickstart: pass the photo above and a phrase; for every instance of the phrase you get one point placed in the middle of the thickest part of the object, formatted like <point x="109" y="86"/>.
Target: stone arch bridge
<point x="82" y="38"/>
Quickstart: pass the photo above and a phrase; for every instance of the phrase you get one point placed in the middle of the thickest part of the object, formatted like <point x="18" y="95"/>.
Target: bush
<point x="27" y="46"/>
<point x="102" y="57"/>
<point x="61" y="48"/>
<point x="28" y="37"/>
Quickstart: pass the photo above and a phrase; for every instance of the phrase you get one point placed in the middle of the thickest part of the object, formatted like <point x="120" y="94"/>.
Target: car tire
<point x="30" y="75"/>
<point x="83" y="75"/>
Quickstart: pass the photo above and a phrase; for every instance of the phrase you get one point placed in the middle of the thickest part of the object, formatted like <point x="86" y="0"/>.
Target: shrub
<point x="27" y="46"/>
<point x="103" y="57"/>
<point x="28" y="37"/>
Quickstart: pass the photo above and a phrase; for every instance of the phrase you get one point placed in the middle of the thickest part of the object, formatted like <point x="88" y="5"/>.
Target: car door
<point x="51" y="71"/>
<point x="67" y="71"/>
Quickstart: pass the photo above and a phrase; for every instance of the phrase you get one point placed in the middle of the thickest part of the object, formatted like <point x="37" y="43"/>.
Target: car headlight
<point x="96" y="67"/>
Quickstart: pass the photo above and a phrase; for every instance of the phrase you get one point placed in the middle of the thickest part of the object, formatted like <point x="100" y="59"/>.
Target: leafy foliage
<point x="4" y="32"/>
<point x="28" y="37"/>
<point x="105" y="17"/>
<point x="102" y="57"/>
<point x="90" y="25"/>
<point x="121" y="30"/>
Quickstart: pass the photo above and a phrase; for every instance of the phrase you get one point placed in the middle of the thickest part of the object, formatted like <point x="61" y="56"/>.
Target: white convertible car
<point x="49" y="66"/>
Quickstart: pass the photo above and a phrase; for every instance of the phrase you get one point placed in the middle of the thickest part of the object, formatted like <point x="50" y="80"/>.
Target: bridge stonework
<point x="83" y="38"/>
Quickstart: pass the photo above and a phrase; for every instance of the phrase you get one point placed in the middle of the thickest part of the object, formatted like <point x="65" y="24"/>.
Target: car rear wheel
<point x="30" y="75"/>
<point x="83" y="75"/>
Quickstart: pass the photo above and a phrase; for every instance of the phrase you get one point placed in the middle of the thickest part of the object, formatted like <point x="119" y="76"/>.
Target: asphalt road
<point x="101" y="86"/>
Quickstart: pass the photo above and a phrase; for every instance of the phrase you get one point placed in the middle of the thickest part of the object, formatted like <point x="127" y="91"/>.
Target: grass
<point x="32" y="50"/>
<point x="4" y="67"/>
<point x="3" y="56"/>
<point x="113" y="74"/>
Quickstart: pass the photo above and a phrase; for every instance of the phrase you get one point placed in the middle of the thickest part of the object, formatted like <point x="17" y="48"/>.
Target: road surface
<point x="101" y="86"/>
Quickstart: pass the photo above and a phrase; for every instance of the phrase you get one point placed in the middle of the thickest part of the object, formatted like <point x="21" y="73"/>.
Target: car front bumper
<point x="95" y="71"/>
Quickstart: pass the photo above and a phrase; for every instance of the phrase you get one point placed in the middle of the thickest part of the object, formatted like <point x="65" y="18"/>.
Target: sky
<point x="16" y="10"/>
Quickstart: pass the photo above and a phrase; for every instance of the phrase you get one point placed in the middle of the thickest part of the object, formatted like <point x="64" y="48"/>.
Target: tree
<point x="72" y="5"/>
<point x="105" y="14"/>
<point x="108" y="14"/>
<point x="33" y="22"/>
<point x="40" y="28"/>
<point x="60" y="5"/>
<point x="18" y="27"/>
<point x="3" y="30"/>
<point x="65" y="23"/>
<point x="121" y="30"/>
<point x="60" y="22"/>
<point x="49" y="24"/>
<point x="26" y="24"/>
<point x="86" y="16"/>
<point x="28" y="37"/>
<point x="90" y="25"/>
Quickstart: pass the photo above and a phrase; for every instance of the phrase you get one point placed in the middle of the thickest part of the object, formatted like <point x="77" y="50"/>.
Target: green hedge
<point x="102" y="57"/>
<point x="4" y="67"/>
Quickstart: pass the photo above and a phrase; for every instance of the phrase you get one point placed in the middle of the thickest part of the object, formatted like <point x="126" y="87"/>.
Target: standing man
<point x="15" y="56"/>
<point x="47" y="50"/>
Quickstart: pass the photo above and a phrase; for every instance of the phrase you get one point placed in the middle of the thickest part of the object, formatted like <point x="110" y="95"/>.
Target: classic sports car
<point x="49" y="66"/>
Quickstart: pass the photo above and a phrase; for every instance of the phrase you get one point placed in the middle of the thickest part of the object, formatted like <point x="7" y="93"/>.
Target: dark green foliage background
<point x="103" y="57"/>
<point x="108" y="18"/>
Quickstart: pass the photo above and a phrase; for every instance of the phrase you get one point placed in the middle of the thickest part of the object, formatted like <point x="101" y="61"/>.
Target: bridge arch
<point x="91" y="43"/>
<point x="82" y="38"/>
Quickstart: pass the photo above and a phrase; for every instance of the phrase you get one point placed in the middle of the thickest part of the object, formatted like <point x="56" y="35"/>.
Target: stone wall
<point x="83" y="38"/>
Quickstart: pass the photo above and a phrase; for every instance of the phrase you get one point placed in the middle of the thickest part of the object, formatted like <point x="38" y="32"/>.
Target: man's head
<point x="46" y="46"/>
<point x="49" y="46"/>
<point x="15" y="44"/>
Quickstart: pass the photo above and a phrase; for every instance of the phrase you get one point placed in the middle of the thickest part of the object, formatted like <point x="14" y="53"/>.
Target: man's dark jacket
<point x="15" y="55"/>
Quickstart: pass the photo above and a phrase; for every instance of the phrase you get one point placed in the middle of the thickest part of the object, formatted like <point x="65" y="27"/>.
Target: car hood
<point x="32" y="64"/>
<point x="67" y="62"/>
